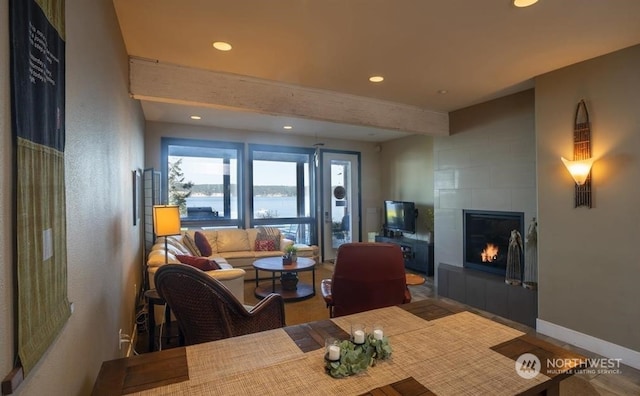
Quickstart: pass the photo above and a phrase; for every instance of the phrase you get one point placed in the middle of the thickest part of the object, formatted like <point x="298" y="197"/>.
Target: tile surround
<point x="484" y="165"/>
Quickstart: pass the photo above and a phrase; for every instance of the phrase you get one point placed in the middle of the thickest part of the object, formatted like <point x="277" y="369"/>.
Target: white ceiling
<point x="476" y="50"/>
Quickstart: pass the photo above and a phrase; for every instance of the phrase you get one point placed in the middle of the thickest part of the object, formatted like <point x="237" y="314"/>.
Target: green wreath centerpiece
<point x="356" y="358"/>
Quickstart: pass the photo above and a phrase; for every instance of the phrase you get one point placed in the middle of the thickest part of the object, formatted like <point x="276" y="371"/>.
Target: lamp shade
<point x="166" y="220"/>
<point x="579" y="170"/>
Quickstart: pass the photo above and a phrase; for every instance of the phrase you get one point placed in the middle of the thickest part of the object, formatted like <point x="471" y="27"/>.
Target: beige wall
<point x="104" y="143"/>
<point x="407" y="175"/>
<point x="370" y="156"/>
<point x="588" y="258"/>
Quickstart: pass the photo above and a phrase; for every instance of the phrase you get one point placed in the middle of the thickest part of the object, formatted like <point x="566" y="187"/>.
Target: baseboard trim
<point x="601" y="347"/>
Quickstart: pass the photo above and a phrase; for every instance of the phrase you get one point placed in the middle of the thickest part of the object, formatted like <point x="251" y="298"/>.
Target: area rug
<point x="296" y="312"/>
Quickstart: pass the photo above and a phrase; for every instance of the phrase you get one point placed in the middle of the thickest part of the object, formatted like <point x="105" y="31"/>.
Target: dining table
<point x="438" y="348"/>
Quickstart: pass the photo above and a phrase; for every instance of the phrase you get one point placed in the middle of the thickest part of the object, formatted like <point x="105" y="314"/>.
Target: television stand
<point x="418" y="254"/>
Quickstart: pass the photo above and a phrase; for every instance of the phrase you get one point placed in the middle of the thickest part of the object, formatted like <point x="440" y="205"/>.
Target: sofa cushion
<point x="202" y="243"/>
<point x="269" y="234"/>
<point x="175" y="241"/>
<point x="265" y="245"/>
<point x="201" y="263"/>
<point x="233" y="240"/>
<point x="190" y="243"/>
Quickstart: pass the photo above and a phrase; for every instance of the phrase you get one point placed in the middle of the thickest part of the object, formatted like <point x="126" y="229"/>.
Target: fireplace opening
<point x="486" y="238"/>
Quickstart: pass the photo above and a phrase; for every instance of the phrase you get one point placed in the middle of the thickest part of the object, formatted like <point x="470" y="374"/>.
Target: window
<point x="203" y="179"/>
<point x="282" y="191"/>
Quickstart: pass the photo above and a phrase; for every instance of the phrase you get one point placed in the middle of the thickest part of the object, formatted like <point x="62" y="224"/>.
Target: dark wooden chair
<point x="366" y="276"/>
<point x="207" y="311"/>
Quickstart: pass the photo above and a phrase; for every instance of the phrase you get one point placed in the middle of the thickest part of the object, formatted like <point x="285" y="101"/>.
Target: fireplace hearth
<point x="486" y="239"/>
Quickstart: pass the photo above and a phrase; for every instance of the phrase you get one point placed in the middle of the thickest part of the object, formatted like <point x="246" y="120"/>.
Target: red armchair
<point x="366" y="276"/>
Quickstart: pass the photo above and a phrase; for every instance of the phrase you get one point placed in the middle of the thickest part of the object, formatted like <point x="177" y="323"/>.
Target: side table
<point x="153" y="299"/>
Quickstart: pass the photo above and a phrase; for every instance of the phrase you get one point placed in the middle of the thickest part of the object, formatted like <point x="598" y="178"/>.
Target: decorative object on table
<point x="355" y="358"/>
<point x="358" y="333"/>
<point x="289" y="281"/>
<point x="580" y="167"/>
<point x="514" y="259"/>
<point x="166" y="222"/>
<point x="291" y="252"/>
<point x="531" y="257"/>
<point x="332" y="349"/>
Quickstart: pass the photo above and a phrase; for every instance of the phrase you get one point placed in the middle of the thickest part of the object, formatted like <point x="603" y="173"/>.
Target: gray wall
<point x="487" y="163"/>
<point x="589" y="267"/>
<point x="103" y="145"/>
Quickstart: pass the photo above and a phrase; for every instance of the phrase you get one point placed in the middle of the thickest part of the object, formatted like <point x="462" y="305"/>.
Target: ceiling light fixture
<point x="287" y="127"/>
<point x="524" y="3"/>
<point x="195" y="117"/>
<point x="222" y="46"/>
<point x="376" y="79"/>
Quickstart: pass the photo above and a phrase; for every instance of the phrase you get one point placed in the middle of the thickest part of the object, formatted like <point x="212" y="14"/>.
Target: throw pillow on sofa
<point x="269" y="234"/>
<point x="265" y="245"/>
<point x="190" y="244"/>
<point x="202" y="243"/>
<point x="201" y="263"/>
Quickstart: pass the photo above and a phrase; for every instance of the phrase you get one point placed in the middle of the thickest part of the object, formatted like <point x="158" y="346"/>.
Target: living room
<point x="587" y="261"/>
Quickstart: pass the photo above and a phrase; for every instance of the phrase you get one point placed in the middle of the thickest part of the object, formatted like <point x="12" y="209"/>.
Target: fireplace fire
<point x="489" y="253"/>
<point x="486" y="238"/>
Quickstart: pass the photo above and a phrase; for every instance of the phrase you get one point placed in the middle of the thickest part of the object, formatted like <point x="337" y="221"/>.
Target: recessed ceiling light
<point x="524" y="3"/>
<point x="222" y="46"/>
<point x="287" y="127"/>
<point x="195" y="117"/>
<point x="442" y="91"/>
<point x="376" y="79"/>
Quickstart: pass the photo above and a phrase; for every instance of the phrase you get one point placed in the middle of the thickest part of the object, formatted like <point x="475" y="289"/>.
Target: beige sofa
<point x="233" y="249"/>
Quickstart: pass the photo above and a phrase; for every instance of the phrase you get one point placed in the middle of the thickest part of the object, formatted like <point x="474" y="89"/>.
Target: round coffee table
<point x="294" y="292"/>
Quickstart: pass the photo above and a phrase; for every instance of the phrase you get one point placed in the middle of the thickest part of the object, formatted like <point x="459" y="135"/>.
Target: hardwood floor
<point x="625" y="383"/>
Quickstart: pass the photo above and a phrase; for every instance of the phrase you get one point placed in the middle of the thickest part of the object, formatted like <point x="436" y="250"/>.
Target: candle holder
<point x="358" y="333"/>
<point x="355" y="358"/>
<point x="377" y="330"/>
<point x="332" y="349"/>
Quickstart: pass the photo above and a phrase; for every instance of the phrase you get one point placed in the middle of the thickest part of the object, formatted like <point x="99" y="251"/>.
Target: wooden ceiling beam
<point x="153" y="81"/>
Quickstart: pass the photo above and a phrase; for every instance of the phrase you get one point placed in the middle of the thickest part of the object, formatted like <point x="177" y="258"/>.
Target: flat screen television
<point x="400" y="216"/>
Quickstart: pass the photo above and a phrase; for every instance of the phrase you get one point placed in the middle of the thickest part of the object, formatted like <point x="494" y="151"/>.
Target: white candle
<point x="358" y="337"/>
<point x="377" y="334"/>
<point x="334" y="352"/>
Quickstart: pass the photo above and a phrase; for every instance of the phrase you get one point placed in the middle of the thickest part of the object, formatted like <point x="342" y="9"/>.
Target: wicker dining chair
<point x="366" y="276"/>
<point x="207" y="311"/>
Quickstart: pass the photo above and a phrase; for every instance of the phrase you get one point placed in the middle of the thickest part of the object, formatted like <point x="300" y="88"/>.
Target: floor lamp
<point x="166" y="222"/>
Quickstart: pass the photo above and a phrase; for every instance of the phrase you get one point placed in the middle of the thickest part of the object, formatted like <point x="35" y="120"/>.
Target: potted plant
<point x="291" y="251"/>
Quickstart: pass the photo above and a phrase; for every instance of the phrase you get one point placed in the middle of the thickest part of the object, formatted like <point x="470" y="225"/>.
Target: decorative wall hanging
<point x="580" y="167"/>
<point x="38" y="124"/>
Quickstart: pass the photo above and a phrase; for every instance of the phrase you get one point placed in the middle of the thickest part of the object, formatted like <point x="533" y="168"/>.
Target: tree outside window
<point x="179" y="190"/>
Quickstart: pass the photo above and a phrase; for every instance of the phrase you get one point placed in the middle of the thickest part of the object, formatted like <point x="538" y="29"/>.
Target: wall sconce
<point x="580" y="167"/>
<point x="166" y="222"/>
<point x="579" y="170"/>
